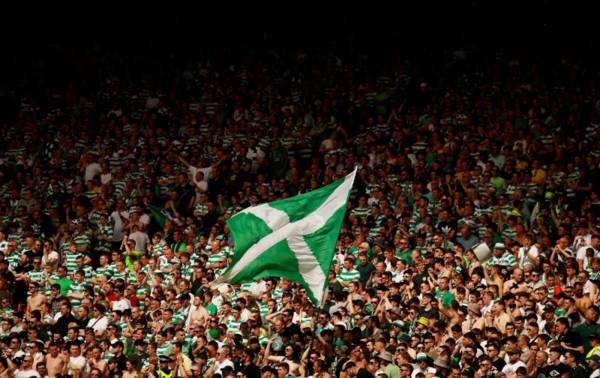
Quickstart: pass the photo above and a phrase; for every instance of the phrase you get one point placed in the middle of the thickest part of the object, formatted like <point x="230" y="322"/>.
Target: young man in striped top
<point x="349" y="273"/>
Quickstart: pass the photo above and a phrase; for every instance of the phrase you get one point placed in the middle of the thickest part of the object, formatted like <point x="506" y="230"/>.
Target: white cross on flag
<point x="293" y="238"/>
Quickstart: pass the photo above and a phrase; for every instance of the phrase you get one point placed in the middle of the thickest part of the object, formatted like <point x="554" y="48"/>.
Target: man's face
<point x="27" y="362"/>
<point x="75" y="350"/>
<point x="560" y="328"/>
<point x="348" y="264"/>
<point x="518" y="275"/>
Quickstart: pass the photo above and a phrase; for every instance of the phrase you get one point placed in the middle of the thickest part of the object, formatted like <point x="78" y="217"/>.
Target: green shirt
<point x="131" y="258"/>
<point x="584" y="331"/>
<point x="405" y="255"/>
<point x="349" y="275"/>
<point x="165" y="349"/>
<point x="447" y="297"/>
<point x="392" y="371"/>
<point x="65" y="284"/>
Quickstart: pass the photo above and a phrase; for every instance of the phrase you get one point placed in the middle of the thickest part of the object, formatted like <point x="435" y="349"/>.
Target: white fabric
<point x="27" y="373"/>
<point x="91" y="170"/>
<point x="98" y="324"/>
<point x="309" y="266"/>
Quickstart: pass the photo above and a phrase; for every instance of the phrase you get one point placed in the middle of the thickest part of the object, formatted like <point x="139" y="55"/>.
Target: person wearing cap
<point x="594" y="342"/>
<point x="421" y="365"/>
<point x="502" y="257"/>
<point x="166" y="367"/>
<point x="391" y="369"/>
<point x="474" y="318"/>
<point x="593" y="365"/>
<point x="421" y="325"/>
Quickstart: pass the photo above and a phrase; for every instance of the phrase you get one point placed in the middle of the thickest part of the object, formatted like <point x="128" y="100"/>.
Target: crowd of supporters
<point x="115" y="189"/>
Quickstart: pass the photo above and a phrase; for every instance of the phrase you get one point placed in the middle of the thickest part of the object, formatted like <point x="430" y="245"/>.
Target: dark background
<point x="147" y="38"/>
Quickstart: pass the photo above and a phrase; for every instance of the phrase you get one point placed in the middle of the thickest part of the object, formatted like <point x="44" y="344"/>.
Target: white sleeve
<point x="193" y="170"/>
<point x="103" y="323"/>
<point x="581" y="252"/>
<point x="207" y="172"/>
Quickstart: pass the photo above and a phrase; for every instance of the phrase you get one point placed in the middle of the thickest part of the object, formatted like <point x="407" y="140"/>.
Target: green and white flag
<point x="293" y="238"/>
<point x="161" y="215"/>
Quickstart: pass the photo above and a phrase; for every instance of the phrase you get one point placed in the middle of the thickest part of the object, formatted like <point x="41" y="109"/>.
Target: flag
<point x="161" y="215"/>
<point x="293" y="238"/>
<point x="534" y="215"/>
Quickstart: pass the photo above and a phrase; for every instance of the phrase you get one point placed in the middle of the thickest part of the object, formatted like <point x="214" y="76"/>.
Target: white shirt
<point x="118" y="225"/>
<point x="487" y="308"/>
<point x="417" y="370"/>
<point x="220" y="365"/>
<point x="79" y="363"/>
<point x="141" y="240"/>
<point x="121" y="305"/>
<point x="53" y="256"/>
<point x="205" y="171"/>
<point x="98" y="324"/>
<point x="522" y="255"/>
<point x="91" y="170"/>
<point x="105" y="178"/>
<point x="145" y="219"/>
<point x="512" y="368"/>
<point x="27" y="373"/>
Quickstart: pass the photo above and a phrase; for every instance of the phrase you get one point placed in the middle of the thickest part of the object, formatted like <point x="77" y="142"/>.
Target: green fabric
<point x="446" y="297"/>
<point x="405" y="255"/>
<point x="584" y="331"/>
<point x="212" y="309"/>
<point x="65" y="284"/>
<point x="392" y="371"/>
<point x="294" y="238"/>
<point x="161" y="215"/>
<point x="130" y="259"/>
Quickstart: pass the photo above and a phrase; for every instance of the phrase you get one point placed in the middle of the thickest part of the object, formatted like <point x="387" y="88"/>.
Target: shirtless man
<point x="36" y="299"/>
<point x="97" y="361"/>
<point x="55" y="361"/>
<point x="199" y="315"/>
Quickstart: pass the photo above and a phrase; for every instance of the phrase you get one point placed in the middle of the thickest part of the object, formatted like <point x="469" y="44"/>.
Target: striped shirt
<point x="71" y="261"/>
<point x="349" y="275"/>
<point x="165" y="349"/>
<point x="77" y="288"/>
<point x="361" y="212"/>
<point x="186" y="271"/>
<point x="179" y="317"/>
<point x="506" y="260"/>
<point x="233" y="325"/>
<point x="36" y="275"/>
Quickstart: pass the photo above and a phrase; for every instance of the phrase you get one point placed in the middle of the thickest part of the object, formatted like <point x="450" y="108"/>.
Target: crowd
<point x="114" y="199"/>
